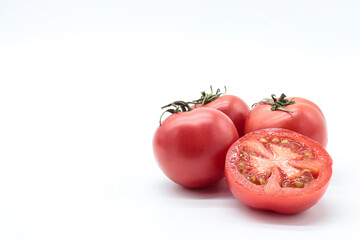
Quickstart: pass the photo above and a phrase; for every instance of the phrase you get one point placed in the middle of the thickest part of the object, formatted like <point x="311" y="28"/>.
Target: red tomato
<point x="305" y="118"/>
<point x="190" y="147"/>
<point x="235" y="108"/>
<point x="278" y="170"/>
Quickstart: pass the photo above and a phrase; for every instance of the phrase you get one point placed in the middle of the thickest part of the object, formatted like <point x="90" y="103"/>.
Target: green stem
<point x="177" y="106"/>
<point x="277" y="104"/>
<point x="182" y="106"/>
<point x="209" y="97"/>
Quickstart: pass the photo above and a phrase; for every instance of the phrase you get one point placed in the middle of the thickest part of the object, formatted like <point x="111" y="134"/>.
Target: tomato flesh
<point x="278" y="169"/>
<point x="257" y="168"/>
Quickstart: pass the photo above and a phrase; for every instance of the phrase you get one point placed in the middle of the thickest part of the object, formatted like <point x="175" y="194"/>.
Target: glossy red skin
<point x="190" y="147"/>
<point x="307" y="119"/>
<point x="234" y="107"/>
<point x="271" y="196"/>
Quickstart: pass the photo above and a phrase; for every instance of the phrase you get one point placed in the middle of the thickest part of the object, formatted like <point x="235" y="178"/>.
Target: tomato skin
<point x="190" y="147"/>
<point x="272" y="196"/>
<point x="234" y="107"/>
<point x="275" y="203"/>
<point x="307" y="119"/>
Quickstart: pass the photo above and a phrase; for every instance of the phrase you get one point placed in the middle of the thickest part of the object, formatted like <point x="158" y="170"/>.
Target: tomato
<point x="190" y="147"/>
<point x="299" y="115"/>
<point x="278" y="170"/>
<point x="234" y="107"/>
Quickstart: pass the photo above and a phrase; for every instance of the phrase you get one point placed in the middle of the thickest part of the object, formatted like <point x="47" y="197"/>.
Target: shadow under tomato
<point x="309" y="217"/>
<point x="218" y="190"/>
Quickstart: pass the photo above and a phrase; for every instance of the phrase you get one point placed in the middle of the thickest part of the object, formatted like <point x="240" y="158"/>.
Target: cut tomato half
<point x="278" y="169"/>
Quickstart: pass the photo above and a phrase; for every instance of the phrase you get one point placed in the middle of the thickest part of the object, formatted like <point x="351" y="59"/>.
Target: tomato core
<point x="257" y="160"/>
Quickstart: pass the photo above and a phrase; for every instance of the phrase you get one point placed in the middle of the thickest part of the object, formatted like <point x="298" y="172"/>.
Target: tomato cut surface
<point x="278" y="169"/>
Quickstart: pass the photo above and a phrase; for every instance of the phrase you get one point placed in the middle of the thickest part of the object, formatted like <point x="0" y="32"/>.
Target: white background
<point x="81" y="86"/>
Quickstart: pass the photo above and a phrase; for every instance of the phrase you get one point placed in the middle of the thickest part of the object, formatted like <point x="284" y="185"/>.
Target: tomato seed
<point x="263" y="140"/>
<point x="285" y="184"/>
<point x="285" y="141"/>
<point x="299" y="184"/>
<point x="262" y="181"/>
<point x="253" y="179"/>
<point x="275" y="140"/>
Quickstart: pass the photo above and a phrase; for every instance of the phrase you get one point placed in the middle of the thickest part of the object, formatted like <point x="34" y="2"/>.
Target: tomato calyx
<point x="277" y="104"/>
<point x="177" y="106"/>
<point x="209" y="97"/>
<point x="182" y="106"/>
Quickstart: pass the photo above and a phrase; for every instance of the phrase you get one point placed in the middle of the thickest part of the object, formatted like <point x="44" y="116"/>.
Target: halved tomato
<point x="278" y="169"/>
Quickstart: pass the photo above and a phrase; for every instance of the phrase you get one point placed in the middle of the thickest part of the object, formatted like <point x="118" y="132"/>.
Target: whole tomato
<point x="297" y="114"/>
<point x="234" y="107"/>
<point x="190" y="146"/>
